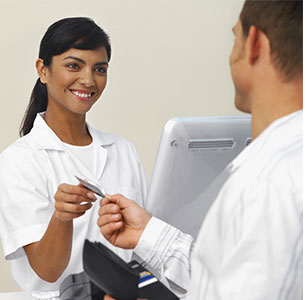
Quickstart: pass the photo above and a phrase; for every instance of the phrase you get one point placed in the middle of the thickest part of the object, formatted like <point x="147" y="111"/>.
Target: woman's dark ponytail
<point x="79" y="33"/>
<point x="38" y="103"/>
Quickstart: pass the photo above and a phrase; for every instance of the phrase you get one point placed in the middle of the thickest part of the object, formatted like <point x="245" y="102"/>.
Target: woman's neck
<point x="69" y="127"/>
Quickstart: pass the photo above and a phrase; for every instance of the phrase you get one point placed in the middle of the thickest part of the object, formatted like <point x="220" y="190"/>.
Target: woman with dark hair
<point x="45" y="215"/>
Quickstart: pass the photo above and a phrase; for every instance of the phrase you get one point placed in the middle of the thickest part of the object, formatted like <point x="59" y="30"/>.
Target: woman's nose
<point x="87" y="78"/>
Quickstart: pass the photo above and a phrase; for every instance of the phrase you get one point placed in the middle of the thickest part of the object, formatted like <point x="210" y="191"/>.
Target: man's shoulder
<point x="276" y="156"/>
<point x="279" y="164"/>
<point x="266" y="173"/>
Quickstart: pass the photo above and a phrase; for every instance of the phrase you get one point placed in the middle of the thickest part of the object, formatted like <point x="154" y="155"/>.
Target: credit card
<point x="146" y="278"/>
<point x="91" y="187"/>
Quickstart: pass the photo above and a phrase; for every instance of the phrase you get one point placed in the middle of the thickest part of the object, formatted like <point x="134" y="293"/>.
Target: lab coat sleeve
<point x="167" y="251"/>
<point x="25" y="209"/>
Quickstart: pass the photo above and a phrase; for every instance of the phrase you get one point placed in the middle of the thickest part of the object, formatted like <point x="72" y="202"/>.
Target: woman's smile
<point x="82" y="94"/>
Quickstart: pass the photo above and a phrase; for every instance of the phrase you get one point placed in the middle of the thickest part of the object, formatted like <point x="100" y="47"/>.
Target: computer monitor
<point x="187" y="174"/>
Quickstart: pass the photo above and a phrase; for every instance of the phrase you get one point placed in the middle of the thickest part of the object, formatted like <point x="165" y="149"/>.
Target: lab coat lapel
<point x="48" y="140"/>
<point x="102" y="156"/>
<point x="102" y="141"/>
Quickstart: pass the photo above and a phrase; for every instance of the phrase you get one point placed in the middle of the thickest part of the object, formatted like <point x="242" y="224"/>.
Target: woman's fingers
<point x="72" y="207"/>
<point x="72" y="201"/>
<point x="77" y="192"/>
<point x="66" y="216"/>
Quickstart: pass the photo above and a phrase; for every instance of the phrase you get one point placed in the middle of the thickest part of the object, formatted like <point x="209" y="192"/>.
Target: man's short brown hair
<point x="282" y="22"/>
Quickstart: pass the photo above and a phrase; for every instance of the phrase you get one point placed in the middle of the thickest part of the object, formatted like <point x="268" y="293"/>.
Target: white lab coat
<point x="32" y="168"/>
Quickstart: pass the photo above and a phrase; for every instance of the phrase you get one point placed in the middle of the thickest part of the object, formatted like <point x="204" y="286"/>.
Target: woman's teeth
<point x="82" y="95"/>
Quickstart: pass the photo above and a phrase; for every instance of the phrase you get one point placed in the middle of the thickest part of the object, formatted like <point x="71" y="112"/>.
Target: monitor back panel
<point x="187" y="174"/>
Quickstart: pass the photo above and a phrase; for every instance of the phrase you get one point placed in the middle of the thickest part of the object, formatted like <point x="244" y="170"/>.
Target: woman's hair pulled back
<point x="79" y="33"/>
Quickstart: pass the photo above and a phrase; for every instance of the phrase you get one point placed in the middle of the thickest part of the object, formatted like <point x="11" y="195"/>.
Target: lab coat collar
<point x="103" y="140"/>
<point x="265" y="139"/>
<point x="48" y="140"/>
<point x="42" y="137"/>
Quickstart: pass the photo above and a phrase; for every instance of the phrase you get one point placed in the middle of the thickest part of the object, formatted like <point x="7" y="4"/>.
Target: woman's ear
<point x="41" y="70"/>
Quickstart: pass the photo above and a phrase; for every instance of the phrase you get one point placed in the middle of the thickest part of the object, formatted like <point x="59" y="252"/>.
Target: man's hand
<point x="122" y="221"/>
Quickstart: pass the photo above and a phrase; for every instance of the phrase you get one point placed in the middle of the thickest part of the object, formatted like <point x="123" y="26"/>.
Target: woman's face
<point x="75" y="79"/>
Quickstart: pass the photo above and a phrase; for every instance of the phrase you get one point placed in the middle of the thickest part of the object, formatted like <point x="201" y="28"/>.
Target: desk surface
<point x="15" y="296"/>
<point x="18" y="296"/>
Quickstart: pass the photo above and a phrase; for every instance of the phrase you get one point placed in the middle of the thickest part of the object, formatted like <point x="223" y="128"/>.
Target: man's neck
<point x="273" y="101"/>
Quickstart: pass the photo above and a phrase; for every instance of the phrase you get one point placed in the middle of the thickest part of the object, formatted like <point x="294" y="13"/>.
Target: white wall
<point x="170" y="58"/>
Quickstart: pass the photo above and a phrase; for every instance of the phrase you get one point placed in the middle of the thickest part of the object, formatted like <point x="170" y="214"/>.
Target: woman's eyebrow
<point x="83" y="62"/>
<point x="102" y="63"/>
<point x="76" y="58"/>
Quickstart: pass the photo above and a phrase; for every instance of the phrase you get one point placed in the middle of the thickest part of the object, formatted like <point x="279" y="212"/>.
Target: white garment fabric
<point x="250" y="244"/>
<point x="32" y="168"/>
<point x="86" y="154"/>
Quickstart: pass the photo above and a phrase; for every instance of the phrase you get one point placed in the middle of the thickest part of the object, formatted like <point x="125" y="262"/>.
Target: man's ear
<point x="41" y="70"/>
<point x="254" y="44"/>
<point x="259" y="45"/>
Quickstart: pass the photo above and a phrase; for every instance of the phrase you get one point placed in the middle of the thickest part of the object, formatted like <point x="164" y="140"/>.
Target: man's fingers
<point x="109" y="229"/>
<point x="118" y="198"/>
<point x="106" y="219"/>
<point x="108" y="297"/>
<point x="109" y="208"/>
<point x="104" y="201"/>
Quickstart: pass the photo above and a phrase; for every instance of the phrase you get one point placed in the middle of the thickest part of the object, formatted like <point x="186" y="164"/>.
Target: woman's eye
<point x="100" y="70"/>
<point x="73" y="66"/>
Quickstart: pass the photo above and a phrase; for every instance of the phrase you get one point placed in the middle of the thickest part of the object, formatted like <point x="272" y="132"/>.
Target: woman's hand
<point x="72" y="201"/>
<point x="50" y="256"/>
<point x="122" y="221"/>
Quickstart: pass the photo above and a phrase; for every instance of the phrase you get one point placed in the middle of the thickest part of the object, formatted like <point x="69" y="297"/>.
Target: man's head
<point x="281" y="23"/>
